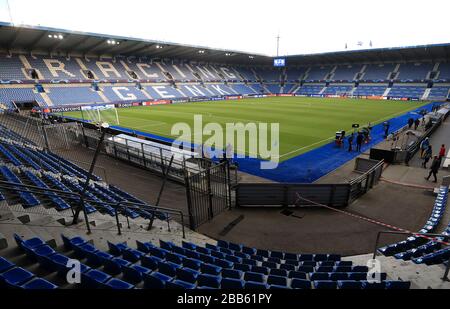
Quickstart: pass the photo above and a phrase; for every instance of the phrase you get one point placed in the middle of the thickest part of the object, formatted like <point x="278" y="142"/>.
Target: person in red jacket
<point x="442" y="153"/>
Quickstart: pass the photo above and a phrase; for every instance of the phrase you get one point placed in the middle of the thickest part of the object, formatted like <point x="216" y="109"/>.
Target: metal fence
<point x="333" y="195"/>
<point x="284" y="195"/>
<point x="208" y="193"/>
<point x="368" y="179"/>
<point x="74" y="199"/>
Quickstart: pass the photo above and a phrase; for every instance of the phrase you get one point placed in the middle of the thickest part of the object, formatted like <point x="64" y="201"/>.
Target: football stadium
<point x="130" y="163"/>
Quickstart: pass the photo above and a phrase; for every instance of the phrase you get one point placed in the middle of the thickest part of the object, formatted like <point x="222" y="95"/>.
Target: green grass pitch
<point x="305" y="123"/>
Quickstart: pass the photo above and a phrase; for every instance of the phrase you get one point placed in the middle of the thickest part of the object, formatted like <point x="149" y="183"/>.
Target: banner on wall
<point x="97" y="107"/>
<point x="285" y="95"/>
<point x="60" y="109"/>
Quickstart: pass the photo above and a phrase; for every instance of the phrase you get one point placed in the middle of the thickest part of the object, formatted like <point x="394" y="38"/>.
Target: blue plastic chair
<point x="349" y="285"/>
<point x="39" y="284"/>
<point x="156" y="280"/>
<point x="208" y="280"/>
<point x="117" y="284"/>
<point x="300" y="284"/>
<point x="325" y="284"/>
<point x="94" y="278"/>
<point x="231" y="283"/>
<point x="15" y="277"/>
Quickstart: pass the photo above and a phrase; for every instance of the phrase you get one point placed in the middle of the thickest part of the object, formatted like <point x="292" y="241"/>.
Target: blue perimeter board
<point x="312" y="165"/>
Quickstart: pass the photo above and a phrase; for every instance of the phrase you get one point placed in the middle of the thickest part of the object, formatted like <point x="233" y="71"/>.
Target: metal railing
<point x="375" y="251"/>
<point x="366" y="181"/>
<point x="119" y="207"/>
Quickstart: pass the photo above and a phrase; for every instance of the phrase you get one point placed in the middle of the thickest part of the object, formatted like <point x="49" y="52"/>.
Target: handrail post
<point x="182" y="224"/>
<point x="447" y="270"/>
<point x="117" y="220"/>
<point x="376" y="245"/>
<point x="126" y="216"/>
<point x="83" y="206"/>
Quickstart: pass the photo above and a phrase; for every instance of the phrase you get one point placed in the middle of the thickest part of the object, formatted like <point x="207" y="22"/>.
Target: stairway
<point x="426" y="94"/>
<point x="386" y="92"/>
<point x="46" y="99"/>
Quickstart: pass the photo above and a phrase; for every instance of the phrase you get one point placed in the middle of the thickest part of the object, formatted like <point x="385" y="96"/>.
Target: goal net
<point x="100" y="114"/>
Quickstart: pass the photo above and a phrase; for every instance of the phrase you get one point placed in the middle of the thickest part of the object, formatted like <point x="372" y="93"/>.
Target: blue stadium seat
<point x="187" y="274"/>
<point x="300" y="284"/>
<point x="117" y="284"/>
<point x="398" y="285"/>
<point x="325" y="284"/>
<point x="5" y="265"/>
<point x="230" y="283"/>
<point x="39" y="284"/>
<point x="134" y="273"/>
<point x="114" y="266"/>
<point x="255" y="285"/>
<point x="277" y="280"/>
<point x="208" y="280"/>
<point x="15" y="277"/>
<point x="70" y="242"/>
<point x="232" y="273"/>
<point x="279" y="272"/>
<point x="94" y="278"/>
<point x="349" y="284"/>
<point x="210" y="269"/>
<point x="132" y="255"/>
<point x="180" y="285"/>
<point x="150" y="262"/>
<point x="156" y="280"/>
<point x="168" y="268"/>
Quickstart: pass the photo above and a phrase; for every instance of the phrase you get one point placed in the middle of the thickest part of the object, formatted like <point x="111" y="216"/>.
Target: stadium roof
<point x="409" y="53"/>
<point x="36" y="38"/>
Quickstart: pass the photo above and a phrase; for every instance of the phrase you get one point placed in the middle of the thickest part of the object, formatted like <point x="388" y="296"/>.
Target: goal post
<point x="101" y="114"/>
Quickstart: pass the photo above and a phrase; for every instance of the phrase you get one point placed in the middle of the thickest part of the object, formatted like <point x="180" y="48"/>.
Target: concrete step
<point x="6" y="213"/>
<point x="41" y="221"/>
<point x="3" y="242"/>
<point x="420" y="275"/>
<point x="106" y="225"/>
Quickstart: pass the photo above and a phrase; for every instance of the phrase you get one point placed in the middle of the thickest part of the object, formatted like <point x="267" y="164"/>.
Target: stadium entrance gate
<point x="208" y="192"/>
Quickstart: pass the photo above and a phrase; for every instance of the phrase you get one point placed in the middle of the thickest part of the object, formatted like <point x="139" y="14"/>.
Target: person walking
<point x="427" y="156"/>
<point x="386" y="129"/>
<point x="434" y="169"/>
<point x="442" y="153"/>
<point x="350" y="142"/>
<point x="424" y="146"/>
<point x="359" y="141"/>
<point x="416" y="123"/>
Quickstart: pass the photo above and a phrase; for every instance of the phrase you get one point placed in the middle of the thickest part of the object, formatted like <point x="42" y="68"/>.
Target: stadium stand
<point x="310" y="89"/>
<point x="154" y="76"/>
<point x="347" y="72"/>
<point x="378" y="72"/>
<point x="317" y="73"/>
<point x="414" y="71"/>
<point x="419" y="249"/>
<point x="370" y="90"/>
<point x="189" y="266"/>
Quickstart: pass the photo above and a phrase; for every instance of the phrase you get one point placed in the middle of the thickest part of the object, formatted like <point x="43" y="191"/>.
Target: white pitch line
<point x="333" y="137"/>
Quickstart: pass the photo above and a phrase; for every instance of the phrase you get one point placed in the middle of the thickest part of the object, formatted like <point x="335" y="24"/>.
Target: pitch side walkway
<point x="312" y="165"/>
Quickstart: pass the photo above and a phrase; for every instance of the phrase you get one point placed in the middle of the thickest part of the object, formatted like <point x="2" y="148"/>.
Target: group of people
<point x="361" y="138"/>
<point x="414" y="122"/>
<point x="426" y="153"/>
